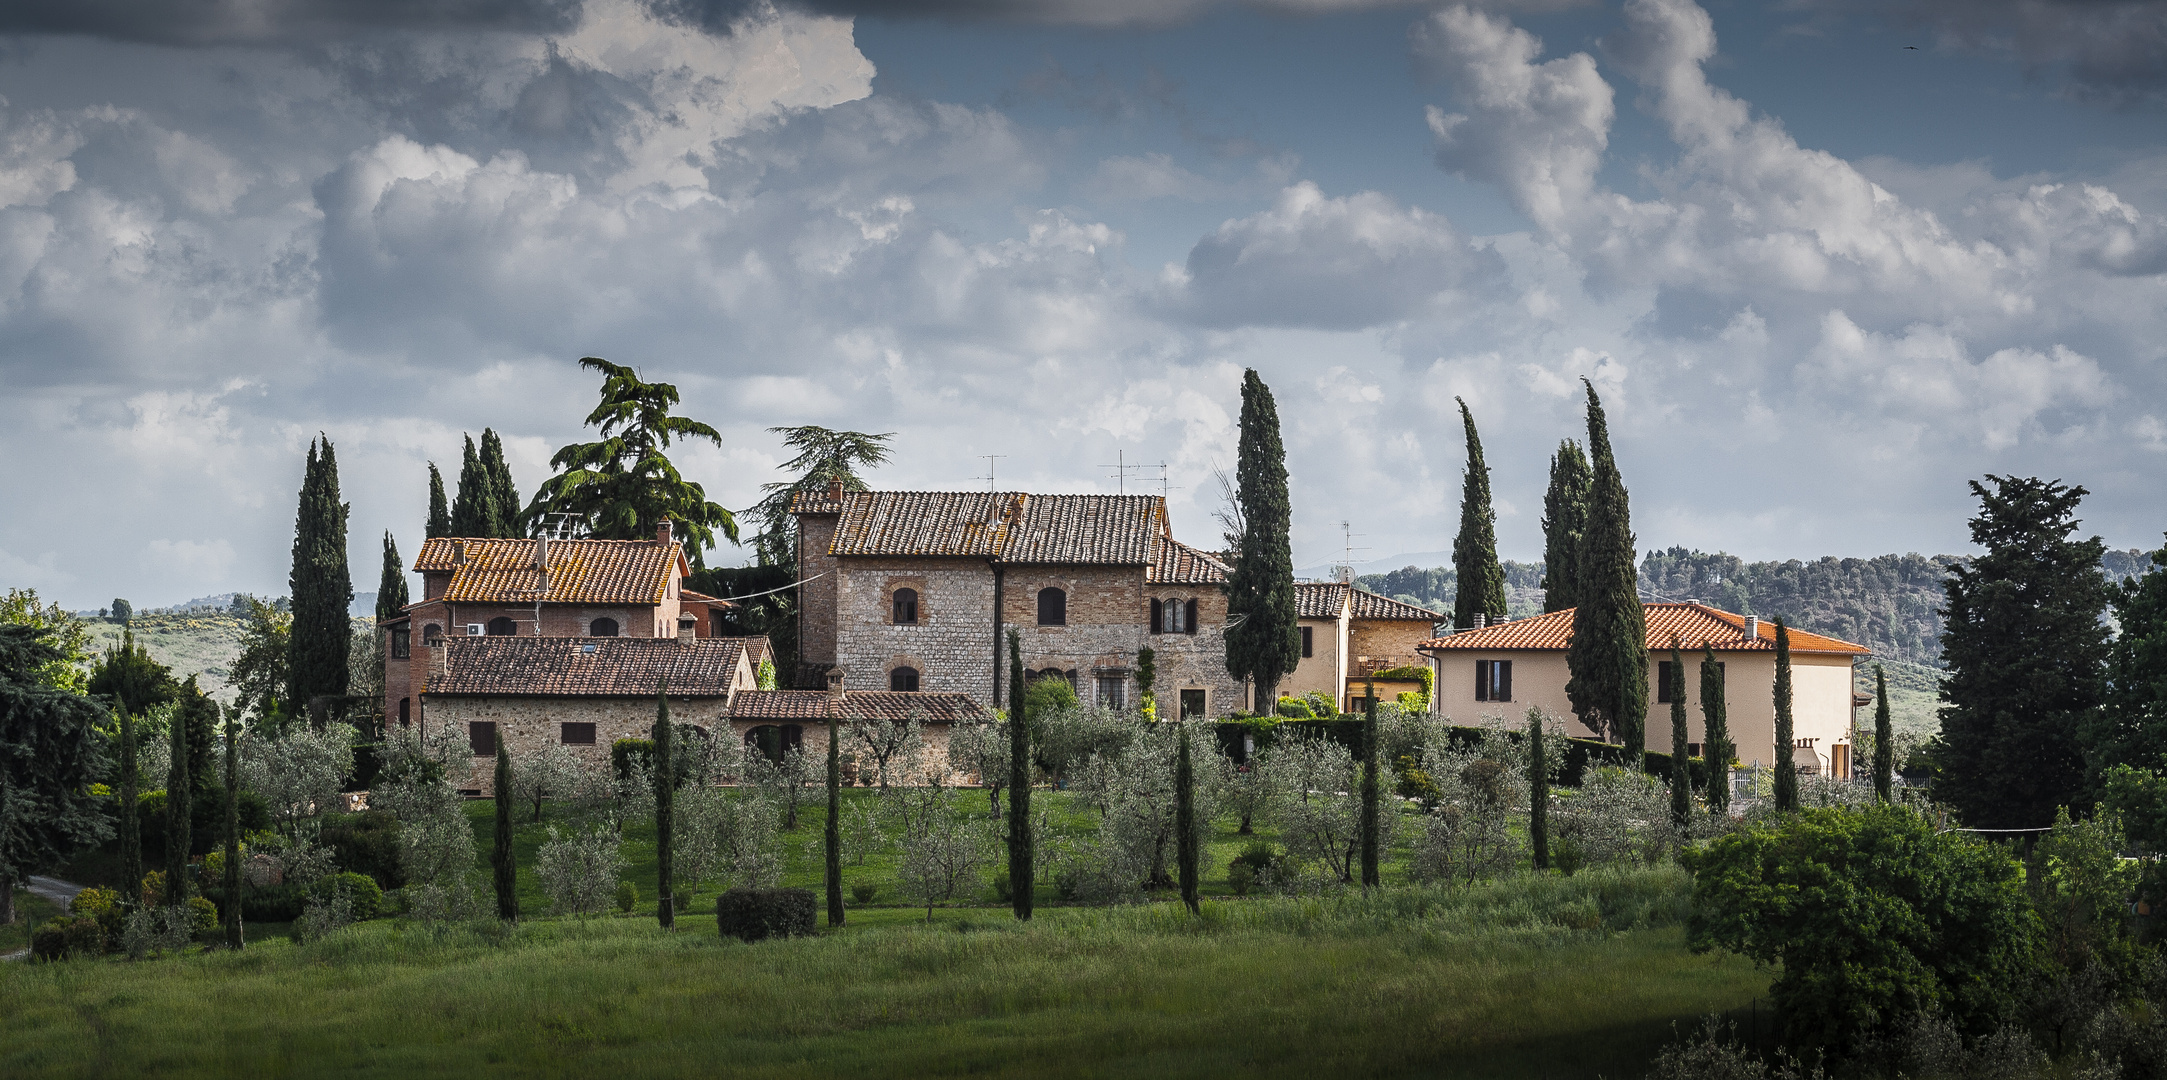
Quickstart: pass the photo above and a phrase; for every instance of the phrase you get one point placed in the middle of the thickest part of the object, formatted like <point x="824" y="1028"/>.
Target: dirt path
<point x="45" y="888"/>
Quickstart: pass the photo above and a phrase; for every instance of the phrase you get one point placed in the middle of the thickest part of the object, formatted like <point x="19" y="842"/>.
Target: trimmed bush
<point x="361" y="890"/>
<point x="202" y="916"/>
<point x="66" y="936"/>
<point x="759" y="914"/>
<point x="266" y="903"/>
<point x="100" y="904"/>
<point x="367" y="843"/>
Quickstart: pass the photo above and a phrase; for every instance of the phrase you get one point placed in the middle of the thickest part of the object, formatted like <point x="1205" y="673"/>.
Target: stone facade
<point x="816" y="597"/>
<point x="950" y="646"/>
<point x="527" y="724"/>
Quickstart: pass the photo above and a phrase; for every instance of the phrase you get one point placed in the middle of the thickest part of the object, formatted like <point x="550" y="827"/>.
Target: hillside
<point x="202" y="643"/>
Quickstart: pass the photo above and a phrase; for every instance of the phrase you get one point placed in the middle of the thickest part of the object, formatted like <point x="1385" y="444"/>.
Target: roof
<point x="1369" y="605"/>
<point x="580" y="571"/>
<point x="932" y="708"/>
<point x="1176" y="563"/>
<point x="587" y="667"/>
<point x="1319" y="599"/>
<point x="1326" y="599"/>
<point x="689" y="596"/>
<point x="1116" y="530"/>
<point x="1691" y="624"/>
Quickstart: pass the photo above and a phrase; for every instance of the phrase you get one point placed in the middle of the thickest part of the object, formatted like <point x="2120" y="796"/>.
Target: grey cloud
<point x="2109" y="51"/>
<point x="257" y="22"/>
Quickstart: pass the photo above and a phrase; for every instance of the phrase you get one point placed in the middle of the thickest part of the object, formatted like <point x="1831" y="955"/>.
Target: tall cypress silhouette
<point x="131" y="825"/>
<point x="504" y="495"/>
<point x="391" y="590"/>
<point x="1681" y="770"/>
<point x="1263" y="642"/>
<point x="1185" y="818"/>
<point x="1608" y="660"/>
<point x="665" y="809"/>
<point x="1884" y="739"/>
<point x="179" y="810"/>
<point x="439" y="510"/>
<point x="1370" y="877"/>
<point x="1564" y="521"/>
<point x="232" y="881"/>
<point x="1481" y="588"/>
<point x="1538" y="782"/>
<point x="832" y="837"/>
<point x="1786" y="769"/>
<point x="322" y="587"/>
<point x="1715" y="732"/>
<point x="1020" y="875"/>
<point x="501" y="860"/>
<point x="474" y="509"/>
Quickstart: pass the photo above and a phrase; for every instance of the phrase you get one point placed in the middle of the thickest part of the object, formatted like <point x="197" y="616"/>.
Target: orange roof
<point x="1691" y="624"/>
<point x="580" y="571"/>
<point x="1013" y="527"/>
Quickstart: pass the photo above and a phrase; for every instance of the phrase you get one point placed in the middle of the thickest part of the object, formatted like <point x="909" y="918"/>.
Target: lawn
<point x="1528" y="977"/>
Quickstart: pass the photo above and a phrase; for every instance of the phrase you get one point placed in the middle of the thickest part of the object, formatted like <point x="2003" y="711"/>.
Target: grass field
<point x="203" y="644"/>
<point x="1548" y="977"/>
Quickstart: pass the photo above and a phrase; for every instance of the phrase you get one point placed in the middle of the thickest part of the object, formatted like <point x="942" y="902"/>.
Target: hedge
<point x="758" y="914"/>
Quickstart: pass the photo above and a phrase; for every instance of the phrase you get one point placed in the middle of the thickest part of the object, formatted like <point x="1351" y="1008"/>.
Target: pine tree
<point x="501" y="859"/>
<point x="391" y="591"/>
<point x="1608" y="659"/>
<point x="322" y="632"/>
<point x="1786" y="737"/>
<point x="1538" y="800"/>
<point x="1185" y="818"/>
<point x="50" y="754"/>
<point x="503" y="494"/>
<point x="1715" y="730"/>
<point x="1564" y="522"/>
<point x="131" y="825"/>
<point x="2025" y="649"/>
<point x="179" y="806"/>
<point x="1370" y="878"/>
<point x="474" y="512"/>
<point x="232" y="910"/>
<point x="1263" y="642"/>
<point x="665" y="808"/>
<point x="1481" y="588"/>
<point x="832" y="839"/>
<point x="1681" y="768"/>
<point x="1020" y="875"/>
<point x="1884" y="739"/>
<point x="439" y="511"/>
<point x="2132" y="725"/>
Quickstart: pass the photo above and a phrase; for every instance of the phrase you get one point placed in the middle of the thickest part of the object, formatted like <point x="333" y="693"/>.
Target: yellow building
<point x="1348" y="633"/>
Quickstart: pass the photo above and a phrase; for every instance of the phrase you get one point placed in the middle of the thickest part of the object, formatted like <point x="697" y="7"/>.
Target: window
<point x="773" y="740"/>
<point x="602" y="628"/>
<point x="575" y="734"/>
<point x="1192" y="704"/>
<point x="1158" y="616"/>
<point x="1309" y="641"/>
<point x="1493" y="680"/>
<point x="1113" y="691"/>
<point x="406" y="711"/>
<point x="1052" y="607"/>
<point x="402" y="641"/>
<point x="903" y="678"/>
<point x="906" y="607"/>
<point x="502" y="626"/>
<point x="1692" y="749"/>
<point x="432" y="635"/>
<point x="482" y="738"/>
<point x="1174" y="611"/>
<point x="1669" y="682"/>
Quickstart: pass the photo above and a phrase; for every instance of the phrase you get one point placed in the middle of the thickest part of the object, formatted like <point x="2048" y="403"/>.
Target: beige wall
<point x="1324" y="669"/>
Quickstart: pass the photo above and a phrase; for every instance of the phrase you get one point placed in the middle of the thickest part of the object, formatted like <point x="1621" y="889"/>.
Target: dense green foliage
<point x="322" y="589"/>
<point x="1786" y="729"/>
<point x="504" y="870"/>
<point x="1262" y="640"/>
<point x="1371" y="876"/>
<point x="824" y="457"/>
<point x="1715" y="730"/>
<point x="663" y="736"/>
<point x="49" y="754"/>
<point x="126" y="675"/>
<point x="1185" y="839"/>
<point x="503" y="493"/>
<point x="1608" y="659"/>
<point x="1681" y="781"/>
<point x="2132" y="724"/>
<point x="1020" y="853"/>
<point x="391" y="594"/>
<point x="1884" y="739"/>
<point x="2026" y="652"/>
<point x="64" y="632"/>
<point x="179" y="813"/>
<point x="1475" y="570"/>
<point x="1564" y="522"/>
<point x="130" y="820"/>
<point x="475" y="510"/>
<point x="232" y="861"/>
<point x="439" y="521"/>
<point x="1538" y="778"/>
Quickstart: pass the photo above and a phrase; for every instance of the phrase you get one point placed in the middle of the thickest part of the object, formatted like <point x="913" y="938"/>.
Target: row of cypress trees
<point x="487" y="503"/>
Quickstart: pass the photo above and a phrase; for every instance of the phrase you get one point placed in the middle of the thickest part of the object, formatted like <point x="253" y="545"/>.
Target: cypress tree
<point x="2025" y="651"/>
<point x="1538" y="782"/>
<point x="501" y="859"/>
<point x="1608" y="660"/>
<point x="1681" y="770"/>
<point x="178" y="810"/>
<point x="665" y="808"/>
<point x="833" y="838"/>
<point x="1185" y="818"/>
<point x="1564" y="521"/>
<point x="1263" y="642"/>
<point x="1481" y="589"/>
<point x="1786" y="770"/>
<point x="2132" y="724"/>
<point x="232" y="911"/>
<point x="503" y="494"/>
<point x="439" y="512"/>
<point x="1019" y="785"/>
<point x="131" y="826"/>
<point x="473" y="508"/>
<point x="1884" y="739"/>
<point x="1716" y="732"/>
<point x="323" y="589"/>
<point x="391" y="591"/>
<point x="1147" y="674"/>
<point x="1370" y="878"/>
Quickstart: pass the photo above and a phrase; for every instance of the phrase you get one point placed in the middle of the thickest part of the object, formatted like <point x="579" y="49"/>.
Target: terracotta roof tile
<point x="1369" y="605"/>
<point x="779" y="705"/>
<point x="953" y="523"/>
<point x="587" y="667"/>
<point x="1176" y="563"/>
<point x="580" y="571"/>
<point x="1118" y="530"/>
<point x="1692" y="624"/>
<point x="1319" y="599"/>
<point x="932" y="708"/>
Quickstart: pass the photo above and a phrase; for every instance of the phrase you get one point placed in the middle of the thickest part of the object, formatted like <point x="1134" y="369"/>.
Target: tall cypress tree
<point x="665" y="809"/>
<point x="1263" y="642"/>
<point x="501" y="859"/>
<point x="439" y="511"/>
<point x="1370" y="877"/>
<point x="1884" y="739"/>
<point x="1786" y="738"/>
<point x="1538" y="783"/>
<point x="131" y="825"/>
<point x="2132" y="726"/>
<point x="1608" y="660"/>
<point x="1564" y="522"/>
<point x="1481" y="589"/>
<point x="1681" y="770"/>
<point x="2025" y="649"/>
<point x="322" y="588"/>
<point x="473" y="508"/>
<point x="179" y="808"/>
<point x="1185" y="818"/>
<point x="391" y="591"/>
<point x="504" y="495"/>
<point x="1715" y="730"/>
<point x="832" y="838"/>
<point x="232" y="912"/>
<point x="1020" y="874"/>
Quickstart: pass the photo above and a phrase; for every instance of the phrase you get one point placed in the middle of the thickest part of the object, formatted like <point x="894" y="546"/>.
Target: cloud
<point x="2110" y="51"/>
<point x="227" y="22"/>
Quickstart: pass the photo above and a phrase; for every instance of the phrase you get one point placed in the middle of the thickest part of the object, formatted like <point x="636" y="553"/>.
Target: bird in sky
<point x="1913" y="48"/>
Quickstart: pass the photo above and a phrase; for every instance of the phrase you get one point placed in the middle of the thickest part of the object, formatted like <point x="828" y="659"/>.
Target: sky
<point x="1825" y="261"/>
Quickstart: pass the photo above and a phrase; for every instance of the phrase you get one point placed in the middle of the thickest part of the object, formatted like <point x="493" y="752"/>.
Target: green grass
<point x="1530" y="977"/>
<point x="29" y="912"/>
<point x="1914" y="696"/>
<point x="204" y="644"/>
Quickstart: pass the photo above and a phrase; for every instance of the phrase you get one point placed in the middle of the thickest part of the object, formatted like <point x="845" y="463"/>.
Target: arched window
<point x="1052" y="607"/>
<point x="432" y="635"/>
<point x="502" y="626"/>
<point x="903" y="678"/>
<point x="906" y="606"/>
<point x="602" y="628"/>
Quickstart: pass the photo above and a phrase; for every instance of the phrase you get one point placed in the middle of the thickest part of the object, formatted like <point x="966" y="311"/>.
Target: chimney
<point x="835" y="489"/>
<point x="1753" y="626"/>
<point x="541" y="561"/>
<point x="458" y="553"/>
<point x="662" y="531"/>
<point x="835" y="691"/>
<point x="1481" y="619"/>
<point x="687" y="623"/>
<point x="438" y="669"/>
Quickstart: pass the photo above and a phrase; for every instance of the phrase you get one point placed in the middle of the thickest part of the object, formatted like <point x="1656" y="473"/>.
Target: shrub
<point x="628" y="896"/>
<point x="366" y="897"/>
<point x="64" y="937"/>
<point x="1293" y="708"/>
<point x="863" y="892"/>
<point x="202" y="916"/>
<point x="758" y="914"/>
<point x="330" y="907"/>
<point x="158" y="929"/>
<point x="265" y="903"/>
<point x="577" y="871"/>
<point x="367" y="844"/>
<point x="104" y="906"/>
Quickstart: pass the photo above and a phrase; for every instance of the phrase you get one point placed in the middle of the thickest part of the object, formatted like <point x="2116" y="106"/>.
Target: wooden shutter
<point x="1189" y="626"/>
<point x="1504" y="680"/>
<point x="1482" y="680"/>
<point x="1308" y="641"/>
<point x="1158" y="617"/>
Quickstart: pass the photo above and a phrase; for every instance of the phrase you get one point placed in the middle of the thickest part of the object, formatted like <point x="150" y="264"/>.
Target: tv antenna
<point x="988" y="478"/>
<point x="1348" y="548"/>
<point x="1122" y="469"/>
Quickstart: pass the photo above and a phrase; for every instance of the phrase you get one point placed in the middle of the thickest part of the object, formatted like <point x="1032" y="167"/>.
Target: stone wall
<point x="1386" y="642"/>
<point x="527" y="724"/>
<point x="951" y="644"/>
<point x="816" y="598"/>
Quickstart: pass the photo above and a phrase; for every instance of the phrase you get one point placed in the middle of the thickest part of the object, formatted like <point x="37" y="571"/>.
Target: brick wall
<point x="1385" y="640"/>
<point x="816" y="598"/>
<point x="951" y="644"/>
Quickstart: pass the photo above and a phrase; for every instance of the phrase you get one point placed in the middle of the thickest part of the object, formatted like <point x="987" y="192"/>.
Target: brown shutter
<point x="1189" y="627"/>
<point x="1504" y="680"/>
<point x="1158" y="621"/>
<point x="1482" y="680"/>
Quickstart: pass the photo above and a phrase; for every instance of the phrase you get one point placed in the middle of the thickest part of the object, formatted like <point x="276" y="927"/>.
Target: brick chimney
<point x="835" y="690"/>
<point x="662" y="531"/>
<point x="1753" y="627"/>
<point x="541" y="562"/>
<point x="687" y="623"/>
<point x="835" y="488"/>
<point x="438" y="669"/>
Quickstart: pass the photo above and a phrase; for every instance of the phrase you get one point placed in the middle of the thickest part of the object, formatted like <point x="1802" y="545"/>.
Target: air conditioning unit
<point x="474" y="629"/>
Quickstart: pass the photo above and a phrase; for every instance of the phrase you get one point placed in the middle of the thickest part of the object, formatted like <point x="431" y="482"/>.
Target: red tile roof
<point x="1319" y="599"/>
<point x="587" y="667"/>
<point x="1114" y="530"/>
<point x="1691" y="624"/>
<point x="1325" y="599"/>
<point x="1369" y="605"/>
<point x="580" y="571"/>
<point x="931" y="708"/>
<point x="1176" y="563"/>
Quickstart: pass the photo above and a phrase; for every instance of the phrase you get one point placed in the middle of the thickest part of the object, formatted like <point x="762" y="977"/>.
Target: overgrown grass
<point x="30" y="910"/>
<point x="1530" y="977"/>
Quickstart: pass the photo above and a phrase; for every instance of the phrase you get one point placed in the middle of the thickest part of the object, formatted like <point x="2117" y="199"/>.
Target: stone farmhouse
<point x="1498" y="671"/>
<point x="1349" y="632"/>
<point x="915" y="591"/>
<point x="569" y="641"/>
